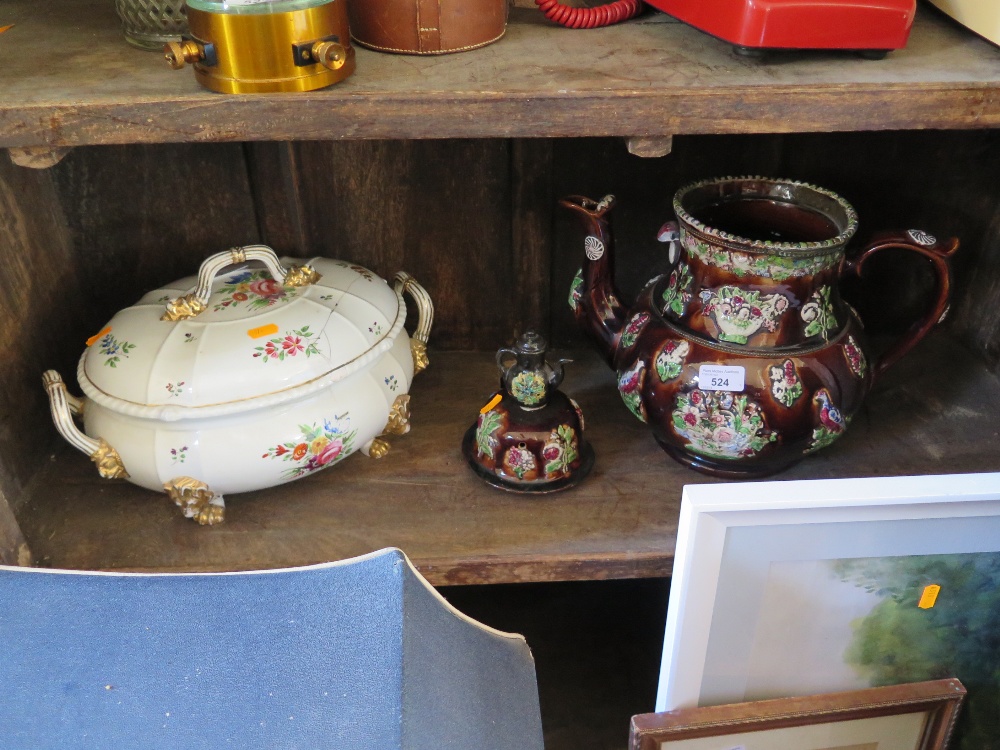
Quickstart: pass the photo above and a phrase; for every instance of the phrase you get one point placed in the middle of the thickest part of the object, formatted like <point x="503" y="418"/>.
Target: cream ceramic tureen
<point x="245" y="377"/>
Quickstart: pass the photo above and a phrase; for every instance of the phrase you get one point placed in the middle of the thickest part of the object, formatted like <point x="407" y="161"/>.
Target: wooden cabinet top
<point x="68" y="79"/>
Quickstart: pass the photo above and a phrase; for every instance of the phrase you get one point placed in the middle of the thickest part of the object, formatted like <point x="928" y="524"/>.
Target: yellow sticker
<point x="261" y="331"/>
<point x="929" y="597"/>
<point x="98" y="336"/>
<point x="493" y="402"/>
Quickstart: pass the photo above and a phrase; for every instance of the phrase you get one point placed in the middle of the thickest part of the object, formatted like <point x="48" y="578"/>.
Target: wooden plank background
<point x="39" y="299"/>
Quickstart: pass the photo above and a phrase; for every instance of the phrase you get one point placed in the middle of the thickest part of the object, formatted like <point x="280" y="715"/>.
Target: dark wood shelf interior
<point x="70" y="79"/>
<point x="596" y="645"/>
<point x="621" y="522"/>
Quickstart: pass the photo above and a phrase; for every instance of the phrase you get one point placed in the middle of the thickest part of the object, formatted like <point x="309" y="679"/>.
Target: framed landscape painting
<point x="915" y="716"/>
<point x="800" y="588"/>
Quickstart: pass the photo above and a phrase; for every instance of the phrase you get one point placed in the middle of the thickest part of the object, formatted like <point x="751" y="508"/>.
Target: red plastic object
<point x="799" y="24"/>
<point x="589" y="18"/>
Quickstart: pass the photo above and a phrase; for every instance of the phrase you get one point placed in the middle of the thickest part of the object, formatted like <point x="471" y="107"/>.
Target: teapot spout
<point x="595" y="301"/>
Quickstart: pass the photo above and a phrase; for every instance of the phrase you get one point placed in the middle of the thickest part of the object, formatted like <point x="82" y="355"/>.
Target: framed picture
<point x="795" y="588"/>
<point x="916" y="716"/>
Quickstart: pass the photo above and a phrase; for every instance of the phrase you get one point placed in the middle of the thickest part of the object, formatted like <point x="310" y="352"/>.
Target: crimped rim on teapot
<point x="780" y="190"/>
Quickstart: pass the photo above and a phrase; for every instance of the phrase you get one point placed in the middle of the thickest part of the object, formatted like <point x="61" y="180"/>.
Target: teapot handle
<point x="503" y="360"/>
<point x="939" y="254"/>
<point x="195" y="302"/>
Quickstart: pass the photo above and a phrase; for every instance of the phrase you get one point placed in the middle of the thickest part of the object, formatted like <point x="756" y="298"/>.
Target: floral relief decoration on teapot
<point x="743" y="358"/>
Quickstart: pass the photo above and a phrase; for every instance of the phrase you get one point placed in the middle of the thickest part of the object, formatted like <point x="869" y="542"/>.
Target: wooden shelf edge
<point x="719" y="111"/>
<point x="500" y="570"/>
<point x="546" y="569"/>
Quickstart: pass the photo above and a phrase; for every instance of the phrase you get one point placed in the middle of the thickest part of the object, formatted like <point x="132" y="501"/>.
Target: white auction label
<point x="721" y="378"/>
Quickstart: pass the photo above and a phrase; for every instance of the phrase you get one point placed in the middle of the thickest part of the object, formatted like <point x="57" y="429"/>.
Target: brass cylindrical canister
<point x="262" y="47"/>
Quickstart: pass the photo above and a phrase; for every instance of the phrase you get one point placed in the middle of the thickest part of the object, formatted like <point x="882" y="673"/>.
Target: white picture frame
<point x="732" y="537"/>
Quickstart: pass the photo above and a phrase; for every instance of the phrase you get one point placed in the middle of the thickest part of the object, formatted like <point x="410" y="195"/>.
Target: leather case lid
<point x="427" y="26"/>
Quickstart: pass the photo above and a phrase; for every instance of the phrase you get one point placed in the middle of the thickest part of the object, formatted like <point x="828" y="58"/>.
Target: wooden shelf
<point x="71" y="80"/>
<point x="620" y="523"/>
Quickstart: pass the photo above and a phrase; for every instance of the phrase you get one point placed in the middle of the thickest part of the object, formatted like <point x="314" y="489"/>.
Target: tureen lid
<point x="236" y="333"/>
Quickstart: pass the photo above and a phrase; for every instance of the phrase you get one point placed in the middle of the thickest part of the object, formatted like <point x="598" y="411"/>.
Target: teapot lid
<point x="531" y="342"/>
<point x="253" y="338"/>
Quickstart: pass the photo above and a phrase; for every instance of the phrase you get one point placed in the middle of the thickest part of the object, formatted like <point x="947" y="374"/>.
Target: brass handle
<point x="179" y="54"/>
<point x="329" y="54"/>
<point x="195" y="302"/>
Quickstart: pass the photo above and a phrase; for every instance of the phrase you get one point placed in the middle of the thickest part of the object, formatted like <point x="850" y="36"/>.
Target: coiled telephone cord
<point x="589" y="18"/>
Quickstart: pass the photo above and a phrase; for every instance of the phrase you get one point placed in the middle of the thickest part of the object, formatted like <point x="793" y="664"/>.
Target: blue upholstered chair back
<point x="356" y="654"/>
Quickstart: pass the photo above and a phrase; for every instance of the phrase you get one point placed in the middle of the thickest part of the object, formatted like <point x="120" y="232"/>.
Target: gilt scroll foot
<point x="196" y="500"/>
<point x="399" y="416"/>
<point x="377" y="448"/>
<point x="397" y="424"/>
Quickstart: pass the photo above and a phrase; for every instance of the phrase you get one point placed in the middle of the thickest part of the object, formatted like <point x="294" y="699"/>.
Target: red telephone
<point x="871" y="26"/>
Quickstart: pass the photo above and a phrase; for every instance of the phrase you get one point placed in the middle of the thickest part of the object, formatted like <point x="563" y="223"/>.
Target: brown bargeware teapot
<point x="744" y="358"/>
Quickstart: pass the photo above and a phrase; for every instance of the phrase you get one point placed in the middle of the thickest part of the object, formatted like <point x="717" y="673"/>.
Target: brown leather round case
<point x="427" y="27"/>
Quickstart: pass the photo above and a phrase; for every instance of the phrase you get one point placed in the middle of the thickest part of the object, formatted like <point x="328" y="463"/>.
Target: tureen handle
<point x="404" y="283"/>
<point x="191" y="304"/>
<point x="63" y="407"/>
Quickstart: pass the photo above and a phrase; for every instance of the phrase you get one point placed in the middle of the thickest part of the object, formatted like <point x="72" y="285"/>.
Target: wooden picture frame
<point x="914" y="716"/>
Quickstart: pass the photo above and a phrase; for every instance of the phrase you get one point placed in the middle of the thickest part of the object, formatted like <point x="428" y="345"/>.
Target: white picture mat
<point x="899" y="732"/>
<point x="799" y="642"/>
<point x="730" y="534"/>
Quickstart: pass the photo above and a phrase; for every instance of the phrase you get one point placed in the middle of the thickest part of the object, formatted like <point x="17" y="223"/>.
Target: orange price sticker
<point x="98" y="336"/>
<point x="929" y="598"/>
<point x="493" y="402"/>
<point x="261" y="331"/>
